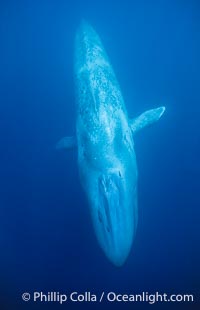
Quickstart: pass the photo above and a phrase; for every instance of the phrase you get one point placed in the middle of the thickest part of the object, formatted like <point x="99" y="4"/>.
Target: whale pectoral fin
<point x="66" y="143"/>
<point x="145" y="119"/>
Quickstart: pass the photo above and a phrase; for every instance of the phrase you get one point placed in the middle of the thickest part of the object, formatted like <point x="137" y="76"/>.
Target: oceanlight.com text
<point x="110" y="297"/>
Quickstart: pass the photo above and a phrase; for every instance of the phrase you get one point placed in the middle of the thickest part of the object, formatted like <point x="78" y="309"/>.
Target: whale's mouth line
<point x="109" y="200"/>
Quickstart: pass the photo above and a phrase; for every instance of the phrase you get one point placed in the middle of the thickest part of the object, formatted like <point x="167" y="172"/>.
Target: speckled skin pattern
<point x="106" y="156"/>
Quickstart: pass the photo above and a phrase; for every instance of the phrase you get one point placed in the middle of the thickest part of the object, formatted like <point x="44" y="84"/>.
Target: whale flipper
<point x="66" y="143"/>
<point x="145" y="119"/>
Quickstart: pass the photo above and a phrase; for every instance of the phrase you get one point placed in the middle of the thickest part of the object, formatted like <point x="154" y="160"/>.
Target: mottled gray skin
<point x="106" y="157"/>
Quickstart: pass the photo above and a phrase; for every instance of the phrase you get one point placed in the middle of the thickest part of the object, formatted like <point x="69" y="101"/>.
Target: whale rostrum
<point x="104" y="142"/>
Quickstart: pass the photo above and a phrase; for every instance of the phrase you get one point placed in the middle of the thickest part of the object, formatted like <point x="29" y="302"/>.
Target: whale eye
<point x="120" y="174"/>
<point x="108" y="229"/>
<point x="100" y="216"/>
<point x="125" y="137"/>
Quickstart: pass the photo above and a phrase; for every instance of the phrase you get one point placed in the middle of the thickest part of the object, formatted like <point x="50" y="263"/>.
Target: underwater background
<point x="47" y="241"/>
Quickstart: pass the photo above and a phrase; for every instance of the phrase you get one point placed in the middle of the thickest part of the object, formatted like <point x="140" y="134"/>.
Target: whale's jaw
<point x="104" y="140"/>
<point x="112" y="210"/>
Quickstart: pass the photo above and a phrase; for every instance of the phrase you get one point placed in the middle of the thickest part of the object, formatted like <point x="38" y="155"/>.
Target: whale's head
<point x="115" y="214"/>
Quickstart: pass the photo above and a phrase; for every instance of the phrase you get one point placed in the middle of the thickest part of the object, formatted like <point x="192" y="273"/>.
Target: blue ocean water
<point x="47" y="241"/>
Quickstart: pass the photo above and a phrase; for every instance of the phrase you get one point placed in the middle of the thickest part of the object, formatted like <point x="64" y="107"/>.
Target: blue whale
<point x="104" y="140"/>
